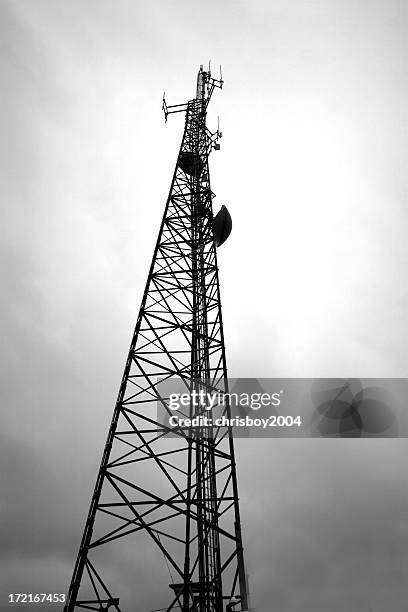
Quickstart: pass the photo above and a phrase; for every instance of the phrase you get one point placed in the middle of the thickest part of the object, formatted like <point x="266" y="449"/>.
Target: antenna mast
<point x="176" y="487"/>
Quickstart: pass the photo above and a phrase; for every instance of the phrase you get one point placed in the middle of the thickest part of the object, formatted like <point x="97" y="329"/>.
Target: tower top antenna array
<point x="204" y="91"/>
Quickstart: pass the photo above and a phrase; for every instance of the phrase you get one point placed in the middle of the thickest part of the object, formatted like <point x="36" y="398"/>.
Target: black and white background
<point x="313" y="169"/>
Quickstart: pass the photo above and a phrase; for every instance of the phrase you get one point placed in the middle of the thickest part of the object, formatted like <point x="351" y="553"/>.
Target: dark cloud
<point x="36" y="516"/>
<point x="328" y="521"/>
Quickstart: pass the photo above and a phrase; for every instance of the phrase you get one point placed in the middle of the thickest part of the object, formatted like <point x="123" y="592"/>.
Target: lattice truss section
<point x="179" y="492"/>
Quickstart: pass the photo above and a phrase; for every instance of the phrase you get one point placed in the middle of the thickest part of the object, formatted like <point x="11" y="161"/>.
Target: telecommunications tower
<point x="171" y="490"/>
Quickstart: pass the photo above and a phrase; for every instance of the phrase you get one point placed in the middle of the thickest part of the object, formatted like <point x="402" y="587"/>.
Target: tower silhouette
<point x="174" y="488"/>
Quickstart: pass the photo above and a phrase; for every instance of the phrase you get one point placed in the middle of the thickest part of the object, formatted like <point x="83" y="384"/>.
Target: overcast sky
<point x="313" y="169"/>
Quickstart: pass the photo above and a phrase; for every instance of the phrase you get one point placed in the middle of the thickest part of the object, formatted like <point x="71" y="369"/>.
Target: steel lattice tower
<point x="179" y="491"/>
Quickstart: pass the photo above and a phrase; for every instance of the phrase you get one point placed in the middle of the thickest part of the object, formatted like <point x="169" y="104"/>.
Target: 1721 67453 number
<point x="36" y="598"/>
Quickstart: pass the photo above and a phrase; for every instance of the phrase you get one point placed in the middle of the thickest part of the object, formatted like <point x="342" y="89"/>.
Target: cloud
<point x="324" y="529"/>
